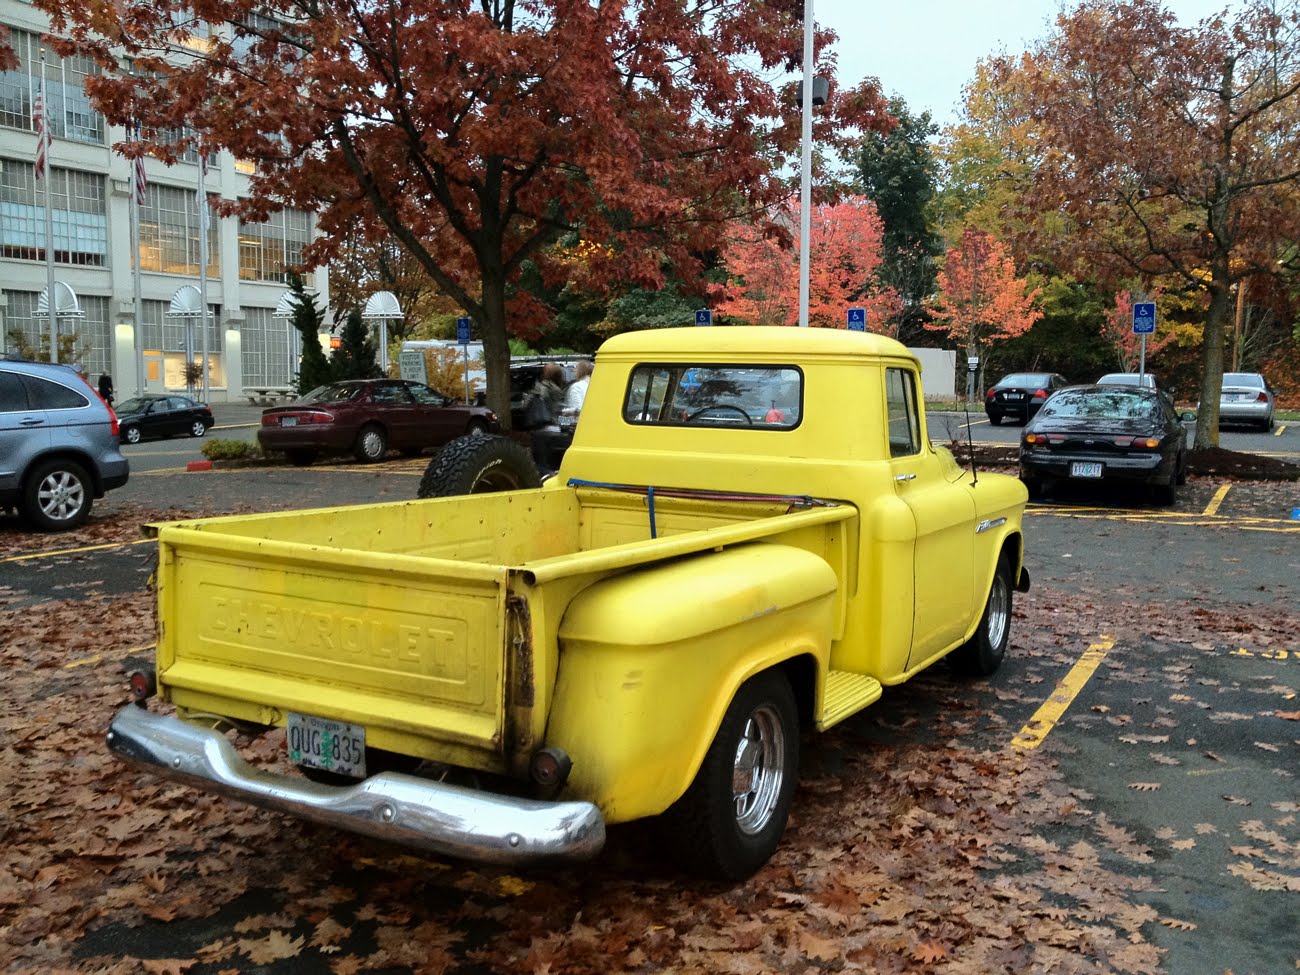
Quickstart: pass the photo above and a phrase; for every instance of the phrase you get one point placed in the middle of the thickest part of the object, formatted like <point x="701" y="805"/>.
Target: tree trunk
<point x="1216" y="320"/>
<point x="496" y="346"/>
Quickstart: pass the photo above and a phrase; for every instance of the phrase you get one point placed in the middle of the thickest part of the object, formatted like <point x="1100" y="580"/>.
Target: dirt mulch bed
<point x="1202" y="461"/>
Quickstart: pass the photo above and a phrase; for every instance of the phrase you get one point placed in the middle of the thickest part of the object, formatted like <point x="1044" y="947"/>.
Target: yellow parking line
<point x="72" y="551"/>
<point x="1278" y="432"/>
<point x="1044" y="720"/>
<point x="1213" y="507"/>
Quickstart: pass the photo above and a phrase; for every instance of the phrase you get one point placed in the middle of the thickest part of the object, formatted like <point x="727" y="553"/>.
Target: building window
<point x="169" y="233"/>
<point x="268" y="251"/>
<point x="71" y="116"/>
<point x="90" y="347"/>
<point x="264" y="349"/>
<point x="166" y="334"/>
<point x="80" y="215"/>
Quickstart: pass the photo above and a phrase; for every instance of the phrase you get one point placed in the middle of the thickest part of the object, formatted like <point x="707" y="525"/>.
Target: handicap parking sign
<point x="1144" y="318"/>
<point x="857" y="319"/>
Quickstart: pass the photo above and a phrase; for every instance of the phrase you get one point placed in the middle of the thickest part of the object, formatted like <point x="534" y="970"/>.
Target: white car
<point x="1128" y="379"/>
<point x="1246" y="398"/>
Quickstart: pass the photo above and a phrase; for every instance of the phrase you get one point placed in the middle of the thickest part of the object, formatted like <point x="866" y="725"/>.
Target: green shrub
<point x="230" y="450"/>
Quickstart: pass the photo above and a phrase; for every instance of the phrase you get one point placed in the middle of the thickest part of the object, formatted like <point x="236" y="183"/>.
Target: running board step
<point x="846" y="694"/>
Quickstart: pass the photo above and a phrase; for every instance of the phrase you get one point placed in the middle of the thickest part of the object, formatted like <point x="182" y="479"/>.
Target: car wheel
<point x="300" y="457"/>
<point x="476" y="428"/>
<point x="730" y="820"/>
<point x="197" y="429"/>
<point x="371" y="445"/>
<point x="131" y="435"/>
<point x="1167" y="494"/>
<point x="982" y="654"/>
<point x="995" y="419"/>
<point x="1034" y="486"/>
<point x="58" y="496"/>
<point x="1182" y="469"/>
<point x="478" y="465"/>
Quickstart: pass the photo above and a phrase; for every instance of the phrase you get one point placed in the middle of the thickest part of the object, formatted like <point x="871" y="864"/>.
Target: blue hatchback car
<point x="58" y="445"/>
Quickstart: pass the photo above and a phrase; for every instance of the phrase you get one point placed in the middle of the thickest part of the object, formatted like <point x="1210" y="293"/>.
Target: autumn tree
<point x="478" y="134"/>
<point x="980" y="299"/>
<point x="1117" y="330"/>
<point x="846" y="254"/>
<point x="362" y="267"/>
<point x="1171" y="150"/>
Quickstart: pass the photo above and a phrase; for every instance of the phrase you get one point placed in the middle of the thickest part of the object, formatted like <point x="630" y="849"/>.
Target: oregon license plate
<point x="331" y="745"/>
<point x="288" y="421"/>
<point x="1085" y="469"/>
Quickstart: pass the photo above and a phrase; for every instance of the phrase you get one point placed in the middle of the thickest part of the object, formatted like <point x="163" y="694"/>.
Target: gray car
<point x="1246" y="398"/>
<point x="58" y="445"/>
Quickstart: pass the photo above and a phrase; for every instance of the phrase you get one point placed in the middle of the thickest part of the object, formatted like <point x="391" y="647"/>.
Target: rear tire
<point x="371" y="445"/>
<point x="995" y="419"/>
<point x="729" y="822"/>
<point x="1167" y="494"/>
<point x="131" y="435"/>
<point x="197" y="429"/>
<point x="1034" y="486"/>
<point x="58" y="496"/>
<point x="982" y="654"/>
<point x="478" y="464"/>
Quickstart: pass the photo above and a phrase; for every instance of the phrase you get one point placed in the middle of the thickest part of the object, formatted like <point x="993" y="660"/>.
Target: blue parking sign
<point x="1144" y="318"/>
<point x="857" y="319"/>
<point x="462" y="331"/>
<point x="704" y="317"/>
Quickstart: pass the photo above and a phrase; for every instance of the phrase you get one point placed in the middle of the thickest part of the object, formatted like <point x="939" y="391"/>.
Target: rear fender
<point x="650" y="660"/>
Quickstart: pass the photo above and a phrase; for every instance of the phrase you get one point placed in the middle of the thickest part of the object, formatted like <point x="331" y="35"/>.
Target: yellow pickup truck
<point x="749" y="538"/>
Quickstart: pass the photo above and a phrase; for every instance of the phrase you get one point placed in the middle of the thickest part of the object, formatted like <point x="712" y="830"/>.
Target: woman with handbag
<point x="542" y="408"/>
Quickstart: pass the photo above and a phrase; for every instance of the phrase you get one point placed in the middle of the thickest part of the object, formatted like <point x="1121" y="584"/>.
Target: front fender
<point x="650" y="660"/>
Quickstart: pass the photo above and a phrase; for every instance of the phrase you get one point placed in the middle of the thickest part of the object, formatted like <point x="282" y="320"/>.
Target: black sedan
<point x="367" y="417"/>
<point x="1105" y="433"/>
<point x="149" y="417"/>
<point x="1020" y="395"/>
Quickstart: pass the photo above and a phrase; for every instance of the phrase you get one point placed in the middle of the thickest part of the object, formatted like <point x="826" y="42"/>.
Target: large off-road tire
<point x="371" y="445"/>
<point x="730" y="820"/>
<point x="477" y="464"/>
<point x="58" y="496"/>
<point x="982" y="654"/>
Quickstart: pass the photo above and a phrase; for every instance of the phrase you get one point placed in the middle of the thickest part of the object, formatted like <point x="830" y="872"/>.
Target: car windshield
<point x="1025" y="379"/>
<point x="137" y="405"/>
<point x="1253" y="379"/>
<point x="1101" y="404"/>
<point x="333" y="393"/>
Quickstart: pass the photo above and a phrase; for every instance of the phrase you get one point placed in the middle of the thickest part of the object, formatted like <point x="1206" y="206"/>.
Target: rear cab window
<point x="719" y="395"/>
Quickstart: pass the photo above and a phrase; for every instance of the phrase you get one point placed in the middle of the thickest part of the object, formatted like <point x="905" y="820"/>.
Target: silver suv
<point x="58" y="444"/>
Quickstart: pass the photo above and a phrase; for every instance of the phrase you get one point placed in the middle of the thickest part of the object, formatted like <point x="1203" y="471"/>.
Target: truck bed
<point x="409" y="616"/>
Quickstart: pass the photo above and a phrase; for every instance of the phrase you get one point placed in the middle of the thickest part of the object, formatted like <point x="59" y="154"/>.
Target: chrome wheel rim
<point x="61" y="496"/>
<point x="198" y="429"/>
<point x="999" y="611"/>
<point x="132" y="435"/>
<point x="759" y="770"/>
<point x="372" y="444"/>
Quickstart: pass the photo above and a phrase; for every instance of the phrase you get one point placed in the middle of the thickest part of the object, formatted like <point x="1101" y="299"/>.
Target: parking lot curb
<point x="199" y="465"/>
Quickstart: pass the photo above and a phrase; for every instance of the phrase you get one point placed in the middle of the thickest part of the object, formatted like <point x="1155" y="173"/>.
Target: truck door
<point x="944" y="512"/>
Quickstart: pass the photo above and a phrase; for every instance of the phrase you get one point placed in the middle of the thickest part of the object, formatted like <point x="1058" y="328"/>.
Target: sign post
<point x="704" y="316"/>
<point x="462" y="337"/>
<point x="972" y="367"/>
<point x="1144" y="324"/>
<point x="857" y="319"/>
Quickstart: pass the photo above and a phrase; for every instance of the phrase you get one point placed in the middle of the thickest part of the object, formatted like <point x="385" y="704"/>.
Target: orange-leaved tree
<point x="980" y="299"/>
<point x="1117" y="330"/>
<point x="845" y="240"/>
<point x="478" y="134"/>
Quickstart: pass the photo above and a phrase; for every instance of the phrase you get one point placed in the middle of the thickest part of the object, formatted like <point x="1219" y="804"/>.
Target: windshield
<point x="333" y="393"/>
<point x="1097" y="403"/>
<point x="136" y="405"/>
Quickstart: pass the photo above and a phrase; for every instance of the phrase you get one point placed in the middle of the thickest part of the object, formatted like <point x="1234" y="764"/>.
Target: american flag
<point x="139" y="184"/>
<point x="42" y="131"/>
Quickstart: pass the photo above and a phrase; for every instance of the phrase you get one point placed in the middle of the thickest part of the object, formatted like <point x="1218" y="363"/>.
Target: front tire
<point x="58" y="496"/>
<point x="197" y="429"/>
<point x="728" y="823"/>
<point x="371" y="445"/>
<point x="478" y="464"/>
<point x="982" y="654"/>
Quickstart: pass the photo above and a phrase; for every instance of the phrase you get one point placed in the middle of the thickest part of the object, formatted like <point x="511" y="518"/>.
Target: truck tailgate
<point x="255" y="628"/>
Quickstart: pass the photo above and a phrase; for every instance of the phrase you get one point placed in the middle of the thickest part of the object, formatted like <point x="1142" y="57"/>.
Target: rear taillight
<point x="1262" y="398"/>
<point x="1142" y="443"/>
<point x="1041" y="394"/>
<point x="989" y="394"/>
<point x="144" y="684"/>
<point x="1036" y="439"/>
<point x="112" y="420"/>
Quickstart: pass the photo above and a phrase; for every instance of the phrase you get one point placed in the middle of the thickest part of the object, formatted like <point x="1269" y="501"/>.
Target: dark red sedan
<point x="368" y="417"/>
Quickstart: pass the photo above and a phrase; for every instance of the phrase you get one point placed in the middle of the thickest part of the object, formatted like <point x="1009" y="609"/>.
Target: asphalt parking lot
<point x="1144" y="735"/>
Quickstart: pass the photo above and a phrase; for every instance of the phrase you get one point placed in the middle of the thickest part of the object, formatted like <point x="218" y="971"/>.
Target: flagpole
<point x="42" y="172"/>
<point x="203" y="266"/>
<point x="805" y="167"/>
<point x="137" y="188"/>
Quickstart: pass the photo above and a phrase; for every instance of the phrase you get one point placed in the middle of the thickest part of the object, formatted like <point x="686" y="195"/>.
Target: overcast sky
<point x="925" y="50"/>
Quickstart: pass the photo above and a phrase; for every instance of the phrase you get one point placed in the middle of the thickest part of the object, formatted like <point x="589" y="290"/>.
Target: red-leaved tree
<point x="479" y="135"/>
<point x="845" y="241"/>
<point x="980" y="299"/>
<point x="1117" y="330"/>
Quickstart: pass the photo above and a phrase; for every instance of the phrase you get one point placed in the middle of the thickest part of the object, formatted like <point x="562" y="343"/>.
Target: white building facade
<point x="249" y="345"/>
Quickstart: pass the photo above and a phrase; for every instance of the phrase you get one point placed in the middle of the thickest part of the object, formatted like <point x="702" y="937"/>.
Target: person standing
<point x="106" y="388"/>
<point x="577" y="391"/>
<point x="542" y="407"/>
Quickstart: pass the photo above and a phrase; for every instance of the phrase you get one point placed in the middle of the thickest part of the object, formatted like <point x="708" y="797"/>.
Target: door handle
<point x="33" y="422"/>
<point x="904" y="477"/>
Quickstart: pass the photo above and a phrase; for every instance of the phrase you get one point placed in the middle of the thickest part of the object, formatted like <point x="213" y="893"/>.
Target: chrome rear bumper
<point x="402" y="809"/>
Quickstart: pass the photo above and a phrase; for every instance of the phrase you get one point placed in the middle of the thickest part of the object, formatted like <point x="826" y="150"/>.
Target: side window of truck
<point x="904" y="413"/>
